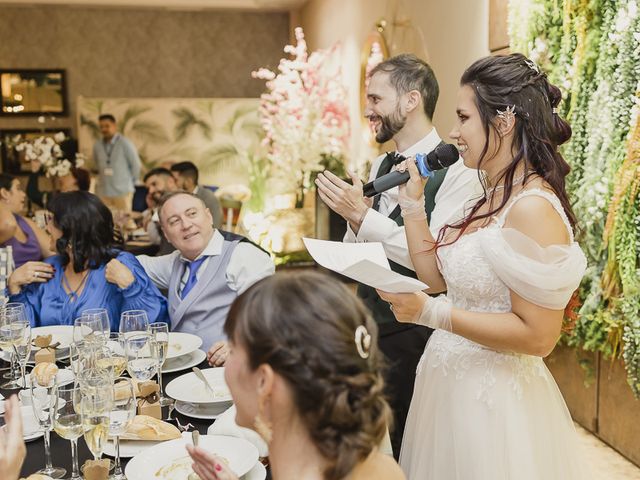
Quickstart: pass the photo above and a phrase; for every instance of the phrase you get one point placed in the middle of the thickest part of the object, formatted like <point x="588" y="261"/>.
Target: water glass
<point x="88" y="330"/>
<point x="133" y="322"/>
<point x="141" y="352"/>
<point x="100" y="314"/>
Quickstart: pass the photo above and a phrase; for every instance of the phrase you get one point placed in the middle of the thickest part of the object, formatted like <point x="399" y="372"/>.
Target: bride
<point x="485" y="406"/>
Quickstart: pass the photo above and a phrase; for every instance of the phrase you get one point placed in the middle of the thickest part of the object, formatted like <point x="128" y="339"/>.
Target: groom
<point x="401" y="99"/>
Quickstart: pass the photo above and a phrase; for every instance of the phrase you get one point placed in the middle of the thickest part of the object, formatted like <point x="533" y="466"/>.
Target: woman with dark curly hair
<point x="89" y="270"/>
<point x="304" y="372"/>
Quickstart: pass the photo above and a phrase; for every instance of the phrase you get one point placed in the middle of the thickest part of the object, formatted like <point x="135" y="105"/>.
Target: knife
<point x="201" y="376"/>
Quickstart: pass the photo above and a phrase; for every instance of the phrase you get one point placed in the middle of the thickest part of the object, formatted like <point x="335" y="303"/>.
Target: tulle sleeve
<point x="545" y="276"/>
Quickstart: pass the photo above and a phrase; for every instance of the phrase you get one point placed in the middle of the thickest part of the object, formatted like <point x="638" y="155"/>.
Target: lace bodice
<point x="472" y="283"/>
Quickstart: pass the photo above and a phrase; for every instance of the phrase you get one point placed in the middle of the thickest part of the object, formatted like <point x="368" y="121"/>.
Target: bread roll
<point x="144" y="427"/>
<point x="44" y="373"/>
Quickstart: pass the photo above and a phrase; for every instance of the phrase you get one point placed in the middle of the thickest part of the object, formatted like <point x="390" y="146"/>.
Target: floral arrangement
<point x="47" y="151"/>
<point x="592" y="50"/>
<point x="304" y="115"/>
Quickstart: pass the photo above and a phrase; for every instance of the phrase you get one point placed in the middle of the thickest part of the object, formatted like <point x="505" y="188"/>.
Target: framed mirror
<point x="33" y="92"/>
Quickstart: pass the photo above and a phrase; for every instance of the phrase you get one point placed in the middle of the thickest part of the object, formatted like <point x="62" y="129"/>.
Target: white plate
<point x="154" y="463"/>
<point x="202" y="410"/>
<point x="184" y="361"/>
<point x="189" y="388"/>
<point x="31" y="429"/>
<point x="128" y="448"/>
<point x="258" y="472"/>
<point x="63" y="377"/>
<point x="182" y="343"/>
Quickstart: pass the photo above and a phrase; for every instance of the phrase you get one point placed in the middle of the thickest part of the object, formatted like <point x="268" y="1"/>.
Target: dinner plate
<point x="258" y="472"/>
<point x="128" y="448"/>
<point x="170" y="460"/>
<point x="63" y="377"/>
<point x="182" y="343"/>
<point x="184" y="361"/>
<point x="31" y="429"/>
<point x="189" y="388"/>
<point x="202" y="410"/>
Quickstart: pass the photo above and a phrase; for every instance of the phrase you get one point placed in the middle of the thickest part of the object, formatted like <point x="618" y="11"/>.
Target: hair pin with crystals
<point x="507" y="114"/>
<point x="532" y="65"/>
<point x="363" y="341"/>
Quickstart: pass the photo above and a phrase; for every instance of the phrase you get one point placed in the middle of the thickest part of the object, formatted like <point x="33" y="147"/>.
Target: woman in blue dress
<point x="89" y="270"/>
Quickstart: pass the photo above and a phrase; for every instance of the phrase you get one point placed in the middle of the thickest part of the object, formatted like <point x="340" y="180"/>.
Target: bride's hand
<point x="414" y="188"/>
<point x="209" y="466"/>
<point x="406" y="307"/>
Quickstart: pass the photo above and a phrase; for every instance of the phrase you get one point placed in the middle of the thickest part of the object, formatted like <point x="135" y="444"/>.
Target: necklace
<point x="516" y="180"/>
<point x="73" y="293"/>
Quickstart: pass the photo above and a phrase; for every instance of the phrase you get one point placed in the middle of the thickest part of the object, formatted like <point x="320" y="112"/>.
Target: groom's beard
<point x="390" y="125"/>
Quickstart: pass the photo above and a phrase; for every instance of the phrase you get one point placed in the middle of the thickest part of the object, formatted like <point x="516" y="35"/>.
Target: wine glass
<point x="113" y="362"/>
<point x="22" y="346"/>
<point x="11" y="312"/>
<point x="88" y="330"/>
<point x="121" y="416"/>
<point x="42" y="401"/>
<point x="67" y="421"/>
<point x="133" y="322"/>
<point x="95" y="409"/>
<point x="160" y="333"/>
<point x="142" y="362"/>
<point x="99" y="314"/>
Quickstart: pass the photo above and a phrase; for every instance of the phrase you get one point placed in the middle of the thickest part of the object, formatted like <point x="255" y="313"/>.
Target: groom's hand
<point x="343" y="198"/>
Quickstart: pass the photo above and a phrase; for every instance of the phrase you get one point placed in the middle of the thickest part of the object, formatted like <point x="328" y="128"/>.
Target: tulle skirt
<point x="477" y="414"/>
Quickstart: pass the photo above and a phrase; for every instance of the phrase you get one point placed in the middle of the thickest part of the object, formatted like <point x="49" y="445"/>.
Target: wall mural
<point x="221" y="136"/>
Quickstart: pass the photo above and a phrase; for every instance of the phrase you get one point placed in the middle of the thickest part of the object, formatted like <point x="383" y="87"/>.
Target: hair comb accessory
<point x="532" y="65"/>
<point x="363" y="341"/>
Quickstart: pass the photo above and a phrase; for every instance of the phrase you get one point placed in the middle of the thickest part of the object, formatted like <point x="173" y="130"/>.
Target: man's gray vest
<point x="380" y="309"/>
<point x="204" y="310"/>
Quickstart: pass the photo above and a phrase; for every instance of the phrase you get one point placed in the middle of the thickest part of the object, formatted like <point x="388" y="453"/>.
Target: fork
<point x="183" y="428"/>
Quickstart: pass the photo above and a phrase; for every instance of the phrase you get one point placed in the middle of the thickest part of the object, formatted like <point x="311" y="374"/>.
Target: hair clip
<point x="532" y="65"/>
<point x="363" y="341"/>
<point x="554" y="110"/>
<point x="507" y="114"/>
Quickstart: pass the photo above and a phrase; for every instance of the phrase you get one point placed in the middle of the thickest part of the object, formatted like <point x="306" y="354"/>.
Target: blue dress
<point x="49" y="304"/>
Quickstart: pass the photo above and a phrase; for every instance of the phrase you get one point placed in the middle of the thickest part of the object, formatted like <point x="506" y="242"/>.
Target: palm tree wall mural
<point x="221" y="136"/>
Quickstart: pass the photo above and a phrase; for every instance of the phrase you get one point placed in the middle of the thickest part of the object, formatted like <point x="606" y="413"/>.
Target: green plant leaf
<point x="132" y="112"/>
<point x="93" y="127"/>
<point x="149" y="131"/>
<point x="186" y="119"/>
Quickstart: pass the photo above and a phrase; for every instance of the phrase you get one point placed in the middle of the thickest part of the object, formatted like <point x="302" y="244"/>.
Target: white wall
<point x="449" y="34"/>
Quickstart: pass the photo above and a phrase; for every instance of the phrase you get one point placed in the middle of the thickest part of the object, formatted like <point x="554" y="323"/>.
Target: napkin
<point x="226" y="425"/>
<point x="144" y="427"/>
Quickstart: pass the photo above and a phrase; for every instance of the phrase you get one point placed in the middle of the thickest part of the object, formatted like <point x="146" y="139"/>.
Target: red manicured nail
<point x="218" y="467"/>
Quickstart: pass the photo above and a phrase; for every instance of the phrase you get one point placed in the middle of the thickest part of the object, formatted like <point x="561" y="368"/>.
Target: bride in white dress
<point x="485" y="406"/>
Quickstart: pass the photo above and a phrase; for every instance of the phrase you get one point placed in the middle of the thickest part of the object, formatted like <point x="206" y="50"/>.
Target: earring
<point x="262" y="426"/>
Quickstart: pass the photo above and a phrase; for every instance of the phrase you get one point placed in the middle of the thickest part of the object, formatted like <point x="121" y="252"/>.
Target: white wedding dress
<point x="480" y="414"/>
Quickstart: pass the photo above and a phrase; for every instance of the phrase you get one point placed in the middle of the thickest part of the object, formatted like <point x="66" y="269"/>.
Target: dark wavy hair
<point x="303" y="326"/>
<point x="503" y="81"/>
<point x="6" y="181"/>
<point x="87" y="228"/>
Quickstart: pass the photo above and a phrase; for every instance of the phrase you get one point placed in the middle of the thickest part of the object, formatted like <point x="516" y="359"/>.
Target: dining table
<point x="61" y="448"/>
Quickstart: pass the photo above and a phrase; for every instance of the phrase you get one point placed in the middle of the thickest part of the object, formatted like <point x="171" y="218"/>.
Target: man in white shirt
<point x="205" y="274"/>
<point x="401" y="98"/>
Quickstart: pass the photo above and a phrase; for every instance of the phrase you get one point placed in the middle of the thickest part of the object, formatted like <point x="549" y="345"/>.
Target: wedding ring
<point x="36" y="274"/>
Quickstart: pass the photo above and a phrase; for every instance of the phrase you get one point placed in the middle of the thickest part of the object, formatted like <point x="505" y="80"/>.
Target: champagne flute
<point x="141" y="360"/>
<point x="133" y="322"/>
<point x="95" y="408"/>
<point x="122" y="414"/>
<point x="160" y="332"/>
<point x="11" y="312"/>
<point x="67" y="421"/>
<point x="22" y="346"/>
<point x="100" y="314"/>
<point x="88" y="330"/>
<point x="42" y="401"/>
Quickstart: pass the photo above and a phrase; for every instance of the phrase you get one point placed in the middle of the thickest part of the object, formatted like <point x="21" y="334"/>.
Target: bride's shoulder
<point x="537" y="212"/>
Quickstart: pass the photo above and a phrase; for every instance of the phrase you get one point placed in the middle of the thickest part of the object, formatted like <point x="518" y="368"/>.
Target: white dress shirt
<point x="248" y="264"/>
<point x="460" y="185"/>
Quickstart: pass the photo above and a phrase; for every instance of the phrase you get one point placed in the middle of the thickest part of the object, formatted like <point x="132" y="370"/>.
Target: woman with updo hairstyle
<point x="485" y="406"/>
<point x="304" y="372"/>
<point x="89" y="271"/>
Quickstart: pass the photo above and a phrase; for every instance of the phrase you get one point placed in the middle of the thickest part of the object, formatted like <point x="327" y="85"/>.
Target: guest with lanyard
<point x="88" y="272"/>
<point x="118" y="164"/>
<point x="28" y="241"/>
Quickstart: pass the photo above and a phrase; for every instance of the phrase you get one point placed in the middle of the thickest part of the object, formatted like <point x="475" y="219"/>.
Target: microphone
<point x="443" y="156"/>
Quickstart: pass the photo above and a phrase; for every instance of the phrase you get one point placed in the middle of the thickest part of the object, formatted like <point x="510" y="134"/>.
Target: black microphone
<point x="443" y="156"/>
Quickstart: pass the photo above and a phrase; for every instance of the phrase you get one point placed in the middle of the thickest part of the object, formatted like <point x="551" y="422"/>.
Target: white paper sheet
<point x="363" y="262"/>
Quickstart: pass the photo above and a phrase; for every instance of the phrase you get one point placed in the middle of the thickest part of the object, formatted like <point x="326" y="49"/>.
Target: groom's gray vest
<point x="204" y="310"/>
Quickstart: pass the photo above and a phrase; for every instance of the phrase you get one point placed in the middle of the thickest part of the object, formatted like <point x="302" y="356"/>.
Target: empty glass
<point x="22" y="346"/>
<point x="142" y="361"/>
<point x="121" y="416"/>
<point x="88" y="330"/>
<point x="99" y="314"/>
<point x="133" y="322"/>
<point x="42" y="401"/>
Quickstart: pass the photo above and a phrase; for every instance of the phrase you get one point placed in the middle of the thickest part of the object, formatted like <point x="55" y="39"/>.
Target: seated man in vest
<point x="205" y="274"/>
